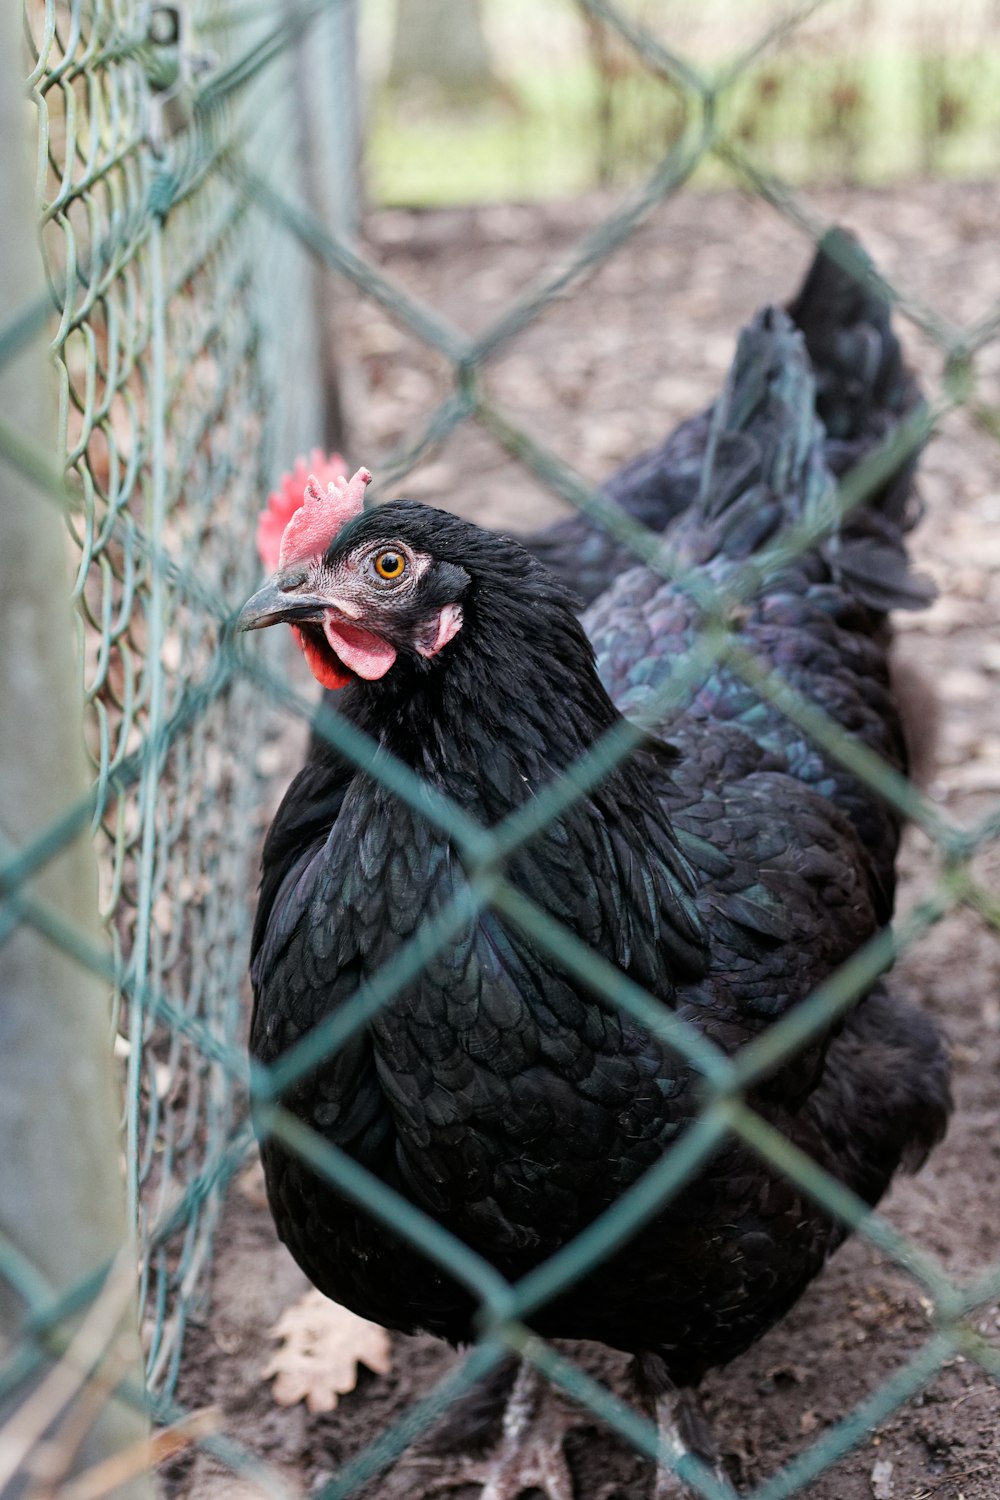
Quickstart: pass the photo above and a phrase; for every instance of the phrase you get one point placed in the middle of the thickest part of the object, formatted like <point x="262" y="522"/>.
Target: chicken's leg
<point x="684" y="1430"/>
<point x="529" y="1455"/>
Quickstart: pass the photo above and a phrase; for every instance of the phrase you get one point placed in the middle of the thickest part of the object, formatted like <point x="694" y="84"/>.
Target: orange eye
<point x="390" y="564"/>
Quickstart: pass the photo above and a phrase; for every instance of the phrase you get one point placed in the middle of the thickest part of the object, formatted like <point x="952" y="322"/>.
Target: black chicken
<point x="727" y="866"/>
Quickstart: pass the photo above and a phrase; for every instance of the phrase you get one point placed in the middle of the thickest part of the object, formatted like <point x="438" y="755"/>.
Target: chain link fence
<point x="173" y="174"/>
<point x="168" y="353"/>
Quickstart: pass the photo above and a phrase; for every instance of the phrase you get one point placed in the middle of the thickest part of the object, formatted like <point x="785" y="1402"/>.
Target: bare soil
<point x="604" y="372"/>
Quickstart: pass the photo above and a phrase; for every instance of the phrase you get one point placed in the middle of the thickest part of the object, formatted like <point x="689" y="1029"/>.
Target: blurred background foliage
<point x="866" y="91"/>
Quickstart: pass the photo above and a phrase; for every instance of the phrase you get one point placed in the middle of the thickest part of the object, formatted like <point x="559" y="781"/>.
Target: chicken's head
<point x="355" y="591"/>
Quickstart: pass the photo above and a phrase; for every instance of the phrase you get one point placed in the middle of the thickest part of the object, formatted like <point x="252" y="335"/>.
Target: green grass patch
<point x="880" y="116"/>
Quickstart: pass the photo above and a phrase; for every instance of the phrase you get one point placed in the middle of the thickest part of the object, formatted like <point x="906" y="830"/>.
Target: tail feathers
<point x="833" y="355"/>
<point x="768" y="457"/>
<point x="764" y="456"/>
<point x="862" y="381"/>
<point x="863" y="387"/>
<point x="851" y="374"/>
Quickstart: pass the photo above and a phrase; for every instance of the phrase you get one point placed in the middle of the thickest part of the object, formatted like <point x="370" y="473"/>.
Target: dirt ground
<point x="646" y="340"/>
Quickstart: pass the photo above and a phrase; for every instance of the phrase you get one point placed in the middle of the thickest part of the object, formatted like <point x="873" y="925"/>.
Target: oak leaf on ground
<point x="321" y="1346"/>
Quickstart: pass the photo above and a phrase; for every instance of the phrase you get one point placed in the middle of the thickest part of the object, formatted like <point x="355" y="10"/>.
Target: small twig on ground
<point x="950" y="1479"/>
<point x="104" y="1478"/>
<point x="86" y="1350"/>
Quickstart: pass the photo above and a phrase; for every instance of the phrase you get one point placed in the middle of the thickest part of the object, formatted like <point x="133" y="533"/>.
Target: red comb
<point x="283" y="502"/>
<point x="321" y="515"/>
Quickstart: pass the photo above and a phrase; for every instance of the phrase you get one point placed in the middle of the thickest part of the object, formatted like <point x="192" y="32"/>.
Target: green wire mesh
<point x="177" y="247"/>
<point x="165" y="388"/>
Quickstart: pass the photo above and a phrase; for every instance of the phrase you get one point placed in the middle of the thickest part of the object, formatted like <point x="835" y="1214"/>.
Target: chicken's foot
<point x="529" y="1455"/>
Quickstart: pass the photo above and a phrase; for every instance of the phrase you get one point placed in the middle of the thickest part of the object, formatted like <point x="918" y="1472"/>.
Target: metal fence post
<point x="62" y="1206"/>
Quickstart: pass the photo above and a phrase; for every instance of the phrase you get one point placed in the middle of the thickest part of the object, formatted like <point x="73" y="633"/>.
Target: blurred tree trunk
<point x="441" y="43"/>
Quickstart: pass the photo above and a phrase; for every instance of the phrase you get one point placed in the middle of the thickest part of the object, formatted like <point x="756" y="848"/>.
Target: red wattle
<point x="327" y="672"/>
<point x="366" y="654"/>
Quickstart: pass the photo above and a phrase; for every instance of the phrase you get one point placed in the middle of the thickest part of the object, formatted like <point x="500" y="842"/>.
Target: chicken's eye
<point x="390" y="564"/>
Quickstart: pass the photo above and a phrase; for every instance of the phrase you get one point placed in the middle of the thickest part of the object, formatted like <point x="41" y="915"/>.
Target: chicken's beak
<point x="275" y="603"/>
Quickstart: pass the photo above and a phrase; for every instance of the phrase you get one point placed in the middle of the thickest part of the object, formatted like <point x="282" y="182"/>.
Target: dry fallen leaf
<point x="322" y="1346"/>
